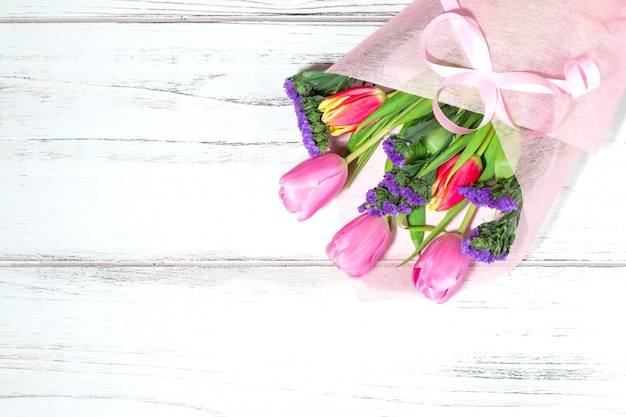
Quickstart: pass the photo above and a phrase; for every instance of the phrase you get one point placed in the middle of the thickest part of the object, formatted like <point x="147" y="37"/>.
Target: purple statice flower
<point x="392" y="154"/>
<point x="370" y="205"/>
<point x="371" y="210"/>
<point x="482" y="197"/>
<point x="306" y="130"/>
<point x="393" y="209"/>
<point x="389" y="208"/>
<point x="390" y="198"/>
<point x="412" y="197"/>
<point x="389" y="181"/>
<point x="484" y="256"/>
<point x="309" y="142"/>
<point x="370" y="196"/>
<point x="290" y="89"/>
<point x="404" y="209"/>
<point x="506" y="204"/>
<point x="481" y="255"/>
<point x="303" y="121"/>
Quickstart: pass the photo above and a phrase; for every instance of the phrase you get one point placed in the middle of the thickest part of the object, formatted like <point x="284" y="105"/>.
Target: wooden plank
<point x="167" y="200"/>
<point x="188" y="10"/>
<point x="150" y="200"/>
<point x="196" y="82"/>
<point x="295" y="340"/>
<point x="212" y="61"/>
<point x="125" y="150"/>
<point x="66" y="125"/>
<point x="146" y="158"/>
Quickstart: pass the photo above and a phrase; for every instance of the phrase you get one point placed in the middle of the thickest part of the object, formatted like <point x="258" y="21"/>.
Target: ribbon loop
<point x="581" y="74"/>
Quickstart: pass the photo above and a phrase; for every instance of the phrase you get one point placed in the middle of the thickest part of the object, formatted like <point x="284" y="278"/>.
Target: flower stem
<point x="368" y="144"/>
<point x="419" y="228"/>
<point x="451" y="214"/>
<point x="488" y="137"/>
<point x="380" y="133"/>
<point x="469" y="215"/>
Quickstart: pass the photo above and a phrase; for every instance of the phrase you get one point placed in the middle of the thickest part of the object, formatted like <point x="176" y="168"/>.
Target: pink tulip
<point x="312" y="183"/>
<point x="359" y="244"/>
<point x="445" y="190"/>
<point x="439" y="271"/>
<point x="344" y="111"/>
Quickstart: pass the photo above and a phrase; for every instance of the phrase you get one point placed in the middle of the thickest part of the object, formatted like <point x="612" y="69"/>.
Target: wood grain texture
<point x="129" y="134"/>
<point x="148" y="268"/>
<point x="185" y="11"/>
<point x="273" y="341"/>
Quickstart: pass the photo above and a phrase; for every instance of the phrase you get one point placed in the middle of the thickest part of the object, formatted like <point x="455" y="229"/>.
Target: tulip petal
<point x="440" y="270"/>
<point x="311" y="184"/>
<point x="320" y="194"/>
<point x="445" y="187"/>
<point x="347" y="109"/>
<point x="359" y="244"/>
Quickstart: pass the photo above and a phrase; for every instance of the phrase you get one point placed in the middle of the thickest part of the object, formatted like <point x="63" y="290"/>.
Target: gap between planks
<point x="335" y="19"/>
<point x="258" y="264"/>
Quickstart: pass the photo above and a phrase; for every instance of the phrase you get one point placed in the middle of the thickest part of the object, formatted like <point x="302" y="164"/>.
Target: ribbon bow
<point x="581" y="74"/>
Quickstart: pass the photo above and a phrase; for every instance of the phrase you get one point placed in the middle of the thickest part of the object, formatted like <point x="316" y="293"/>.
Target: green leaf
<point x="497" y="165"/>
<point x="450" y="215"/>
<point x="388" y="165"/>
<point x="417" y="111"/>
<point x="476" y="139"/>
<point x="446" y="153"/>
<point x="311" y="83"/>
<point x="398" y="109"/>
<point x="394" y="105"/>
<point x="361" y="136"/>
<point x="502" y="167"/>
<point x="417" y="218"/>
<point x="360" y="163"/>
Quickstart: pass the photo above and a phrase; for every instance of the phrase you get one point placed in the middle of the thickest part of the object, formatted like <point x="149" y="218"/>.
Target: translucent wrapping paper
<point x="535" y="36"/>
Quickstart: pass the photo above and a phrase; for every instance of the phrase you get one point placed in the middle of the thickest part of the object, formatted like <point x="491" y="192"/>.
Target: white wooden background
<point x="147" y="266"/>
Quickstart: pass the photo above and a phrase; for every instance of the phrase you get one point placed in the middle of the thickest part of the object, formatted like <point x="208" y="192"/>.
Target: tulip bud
<point x="359" y="244"/>
<point x="311" y="184"/>
<point x="344" y="111"/>
<point x="439" y="271"/>
<point x="445" y="187"/>
<point x="437" y="139"/>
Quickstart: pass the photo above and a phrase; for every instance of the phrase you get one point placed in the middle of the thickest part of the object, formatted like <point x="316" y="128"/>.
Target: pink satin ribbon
<point x="581" y="74"/>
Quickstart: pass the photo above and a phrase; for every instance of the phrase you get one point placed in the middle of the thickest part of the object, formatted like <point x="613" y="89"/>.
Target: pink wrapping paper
<point x="536" y="36"/>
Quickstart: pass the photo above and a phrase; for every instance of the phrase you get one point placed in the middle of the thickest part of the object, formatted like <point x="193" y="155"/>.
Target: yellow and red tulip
<point x="344" y="111"/>
<point x="445" y="187"/>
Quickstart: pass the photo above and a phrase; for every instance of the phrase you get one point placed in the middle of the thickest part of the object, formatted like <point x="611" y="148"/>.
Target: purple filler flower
<point x="389" y="181"/>
<point x="370" y="196"/>
<point x="390" y="150"/>
<point x="389" y="208"/>
<point x="303" y="122"/>
<point x="371" y="210"/>
<point x="482" y="197"/>
<point x="290" y="89"/>
<point x="412" y="197"/>
<point x="480" y="255"/>
<point x="484" y="255"/>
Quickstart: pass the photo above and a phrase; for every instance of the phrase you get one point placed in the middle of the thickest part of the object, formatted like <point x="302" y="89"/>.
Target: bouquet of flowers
<point x="428" y="174"/>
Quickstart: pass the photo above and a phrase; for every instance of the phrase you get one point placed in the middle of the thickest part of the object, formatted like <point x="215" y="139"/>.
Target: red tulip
<point x="359" y="244"/>
<point x="344" y="111"/>
<point x="445" y="192"/>
<point x="312" y="183"/>
<point x="439" y="271"/>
